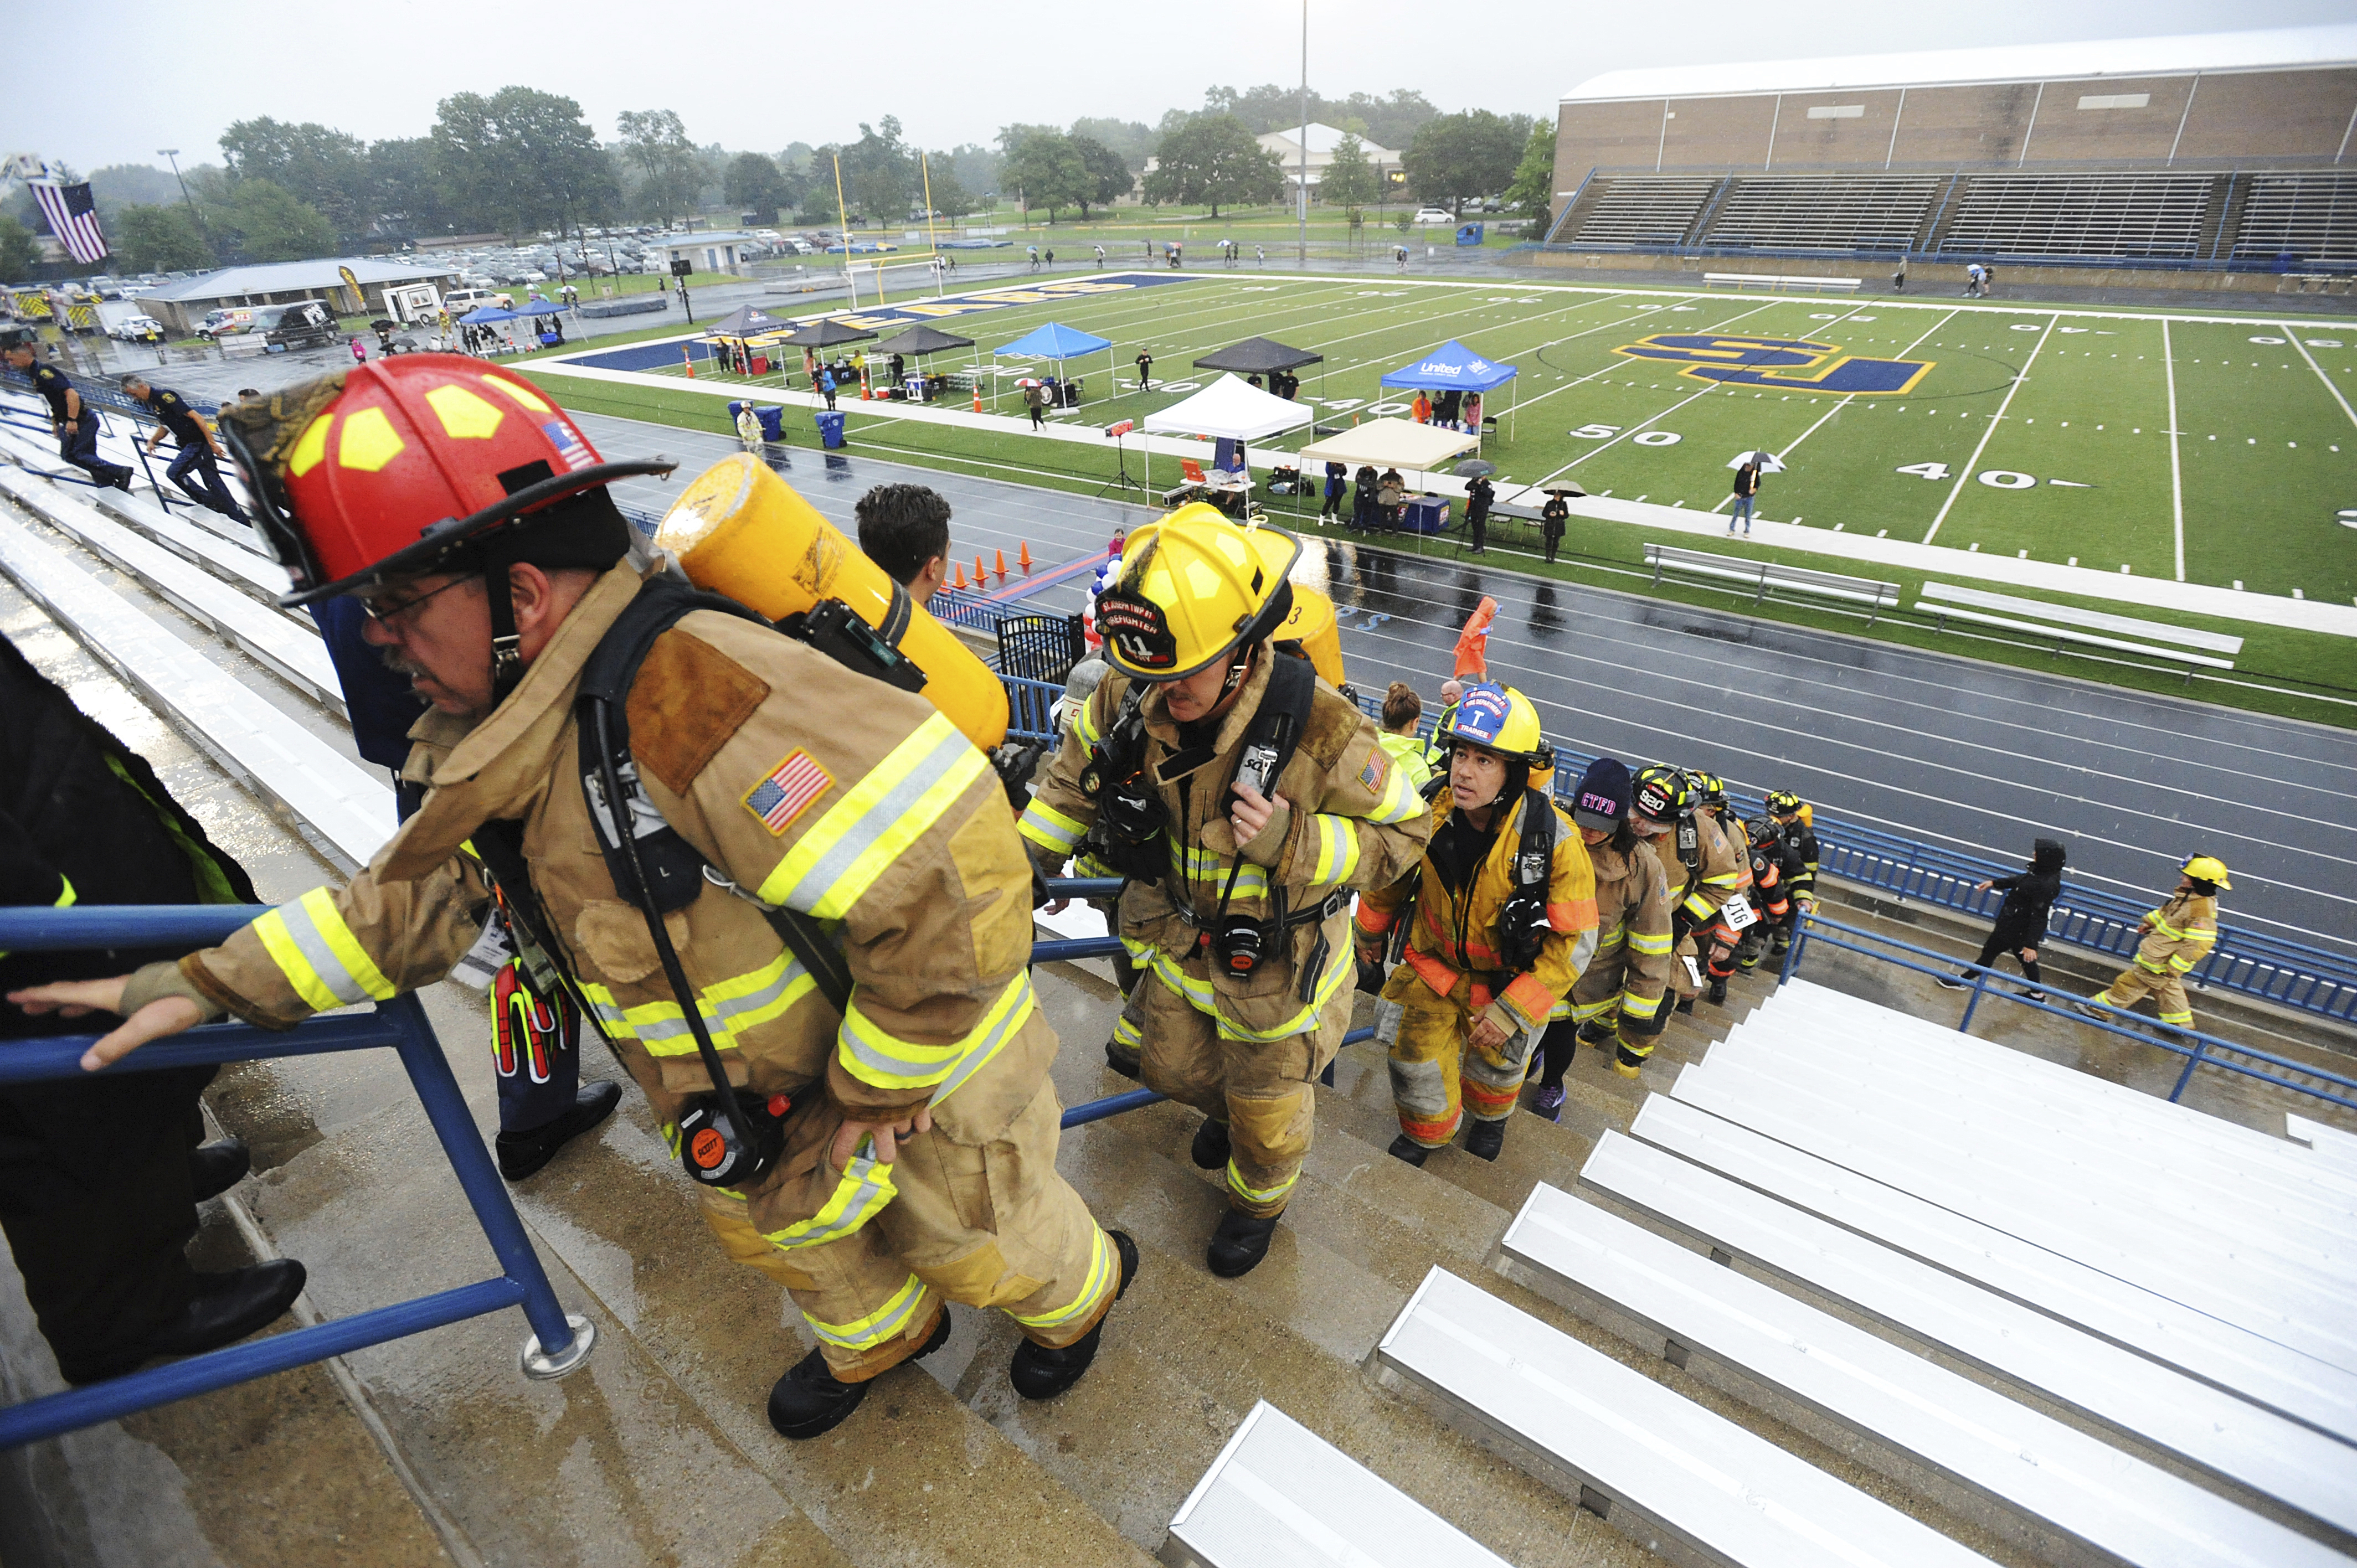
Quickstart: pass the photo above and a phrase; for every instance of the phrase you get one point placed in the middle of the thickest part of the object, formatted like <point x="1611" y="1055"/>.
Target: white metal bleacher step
<point x="2007" y="1123"/>
<point x="1654" y="1462"/>
<point x="297" y="658"/>
<point x="2049" y="1476"/>
<point x="2249" y="1287"/>
<point x="2327" y="1145"/>
<point x="2165" y="1331"/>
<point x="347" y="810"/>
<point x="1988" y="1061"/>
<point x="239" y="565"/>
<point x="1279" y="1496"/>
<point x="2230" y="1437"/>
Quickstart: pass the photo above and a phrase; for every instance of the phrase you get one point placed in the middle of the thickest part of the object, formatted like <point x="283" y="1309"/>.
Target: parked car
<point x="137" y="329"/>
<point x="459" y="301"/>
<point x="1434" y="215"/>
<point x="305" y="323"/>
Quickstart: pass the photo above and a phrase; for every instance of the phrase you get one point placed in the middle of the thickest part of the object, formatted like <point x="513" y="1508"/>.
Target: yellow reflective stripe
<point x="669" y="1132"/>
<point x="1127" y="1033"/>
<point x="1199" y="995"/>
<point x="1635" y="1006"/>
<point x="1104" y="1276"/>
<point x="859" y="1197"/>
<point x="1402" y="801"/>
<point x="896" y="804"/>
<point x="317" y="953"/>
<point x="1050" y="828"/>
<point x="66" y="899"/>
<point x="1084" y="722"/>
<point x="1607" y="941"/>
<point x="1655" y="943"/>
<point x="1724" y="879"/>
<point x="1196" y="993"/>
<point x="1337" y="849"/>
<point x="1583" y="1011"/>
<point x="1269" y="1195"/>
<point x="2183" y="964"/>
<point x="1699" y="907"/>
<point x="1562" y="1010"/>
<point x="872" y="1055"/>
<point x="741" y="1002"/>
<point x="885" y="1323"/>
<point x="1200" y="865"/>
<point x="2184" y="1018"/>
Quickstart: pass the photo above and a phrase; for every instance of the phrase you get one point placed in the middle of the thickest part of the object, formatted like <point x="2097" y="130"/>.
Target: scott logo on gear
<point x="1789" y="363"/>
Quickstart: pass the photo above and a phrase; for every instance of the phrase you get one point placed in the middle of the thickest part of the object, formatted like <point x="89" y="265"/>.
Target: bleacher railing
<point x="2197" y="1048"/>
<point x="558" y="1343"/>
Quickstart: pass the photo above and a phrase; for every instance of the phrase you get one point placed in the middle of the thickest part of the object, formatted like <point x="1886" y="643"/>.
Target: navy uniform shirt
<point x="51" y="383"/>
<point x="173" y="413"/>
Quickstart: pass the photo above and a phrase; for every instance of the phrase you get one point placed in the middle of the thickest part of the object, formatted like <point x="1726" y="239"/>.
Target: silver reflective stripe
<point x="312" y="943"/>
<point x="878" y="818"/>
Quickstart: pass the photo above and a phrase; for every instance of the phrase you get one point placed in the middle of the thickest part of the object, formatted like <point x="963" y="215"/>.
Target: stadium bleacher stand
<point x="2086" y="216"/>
<point x="1873" y="213"/>
<point x="2311" y="216"/>
<point x="1644" y="211"/>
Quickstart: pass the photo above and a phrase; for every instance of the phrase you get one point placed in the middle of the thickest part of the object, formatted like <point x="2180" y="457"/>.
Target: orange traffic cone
<point x="1023" y="555"/>
<point x="690" y="359"/>
<point x="864" y="395"/>
<point x="960" y="581"/>
<point x="977" y="397"/>
<point x="980" y="576"/>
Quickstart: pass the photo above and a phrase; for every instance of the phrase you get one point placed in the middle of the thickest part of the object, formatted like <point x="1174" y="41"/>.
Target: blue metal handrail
<point x="2198" y="1048"/>
<point x="558" y="1343"/>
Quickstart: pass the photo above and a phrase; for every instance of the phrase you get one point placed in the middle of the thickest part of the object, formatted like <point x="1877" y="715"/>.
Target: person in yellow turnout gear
<point x="822" y="834"/>
<point x="1244" y="799"/>
<point x="1700" y="867"/>
<point x="2176" y="937"/>
<point x="1621" y="1001"/>
<point x="1502" y="921"/>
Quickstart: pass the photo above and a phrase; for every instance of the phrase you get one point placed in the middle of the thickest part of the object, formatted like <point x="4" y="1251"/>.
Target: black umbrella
<point x="1474" y="468"/>
<point x="826" y="334"/>
<point x="1564" y="490"/>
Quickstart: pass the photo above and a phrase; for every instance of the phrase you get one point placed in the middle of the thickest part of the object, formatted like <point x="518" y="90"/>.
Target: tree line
<point x="521" y="161"/>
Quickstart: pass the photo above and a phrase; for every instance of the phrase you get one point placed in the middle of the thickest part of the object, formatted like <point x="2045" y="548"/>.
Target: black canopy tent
<point x="1262" y="357"/>
<point x="826" y="334"/>
<point x="923" y="338"/>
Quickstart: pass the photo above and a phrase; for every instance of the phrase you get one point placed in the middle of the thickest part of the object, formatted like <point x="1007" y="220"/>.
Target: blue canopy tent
<point x="483" y="316"/>
<point x="1054" y="341"/>
<point x="1453" y="367"/>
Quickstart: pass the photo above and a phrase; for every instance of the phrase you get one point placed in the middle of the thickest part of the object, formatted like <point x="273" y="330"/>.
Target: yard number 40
<point x="1925" y="470"/>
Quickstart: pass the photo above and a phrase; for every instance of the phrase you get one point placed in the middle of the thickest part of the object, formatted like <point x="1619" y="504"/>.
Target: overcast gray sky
<point x="146" y="75"/>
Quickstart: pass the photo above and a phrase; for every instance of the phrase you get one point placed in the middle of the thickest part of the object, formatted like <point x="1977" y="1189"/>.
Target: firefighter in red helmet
<point x="805" y="928"/>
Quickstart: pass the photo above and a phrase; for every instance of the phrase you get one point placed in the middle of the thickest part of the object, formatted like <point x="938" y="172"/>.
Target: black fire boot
<point x="1483" y="1140"/>
<point x="1239" y="1243"/>
<point x="214" y="1168"/>
<point x="1406" y="1148"/>
<point x="521" y="1154"/>
<point x="808" y="1401"/>
<point x="1123" y="1060"/>
<point x="1039" y="1373"/>
<point x="1210" y="1149"/>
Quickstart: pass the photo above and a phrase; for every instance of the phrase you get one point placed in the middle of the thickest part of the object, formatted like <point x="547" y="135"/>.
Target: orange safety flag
<point x="1474" y="642"/>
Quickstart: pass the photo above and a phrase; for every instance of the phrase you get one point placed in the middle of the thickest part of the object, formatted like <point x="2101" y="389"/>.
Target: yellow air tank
<point x="1311" y="624"/>
<point x="741" y="530"/>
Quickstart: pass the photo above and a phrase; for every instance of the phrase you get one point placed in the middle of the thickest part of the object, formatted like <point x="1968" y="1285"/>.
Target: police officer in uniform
<point x="76" y="422"/>
<point x="470" y="517"/>
<point x="1244" y="799"/>
<point x="200" y="449"/>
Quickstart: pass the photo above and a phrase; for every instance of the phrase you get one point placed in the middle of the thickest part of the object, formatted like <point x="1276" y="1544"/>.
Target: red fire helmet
<point x="392" y="467"/>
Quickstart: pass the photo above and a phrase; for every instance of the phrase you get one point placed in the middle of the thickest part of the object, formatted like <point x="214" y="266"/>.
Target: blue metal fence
<point x="2197" y="1048"/>
<point x="558" y="1343"/>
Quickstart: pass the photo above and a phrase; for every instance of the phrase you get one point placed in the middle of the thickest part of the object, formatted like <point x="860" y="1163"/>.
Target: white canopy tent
<point x="1392" y="444"/>
<point x="1229" y="407"/>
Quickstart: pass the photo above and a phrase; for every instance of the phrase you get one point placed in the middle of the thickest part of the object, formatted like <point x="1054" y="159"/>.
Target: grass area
<point x="2026" y="430"/>
<point x="2302" y="675"/>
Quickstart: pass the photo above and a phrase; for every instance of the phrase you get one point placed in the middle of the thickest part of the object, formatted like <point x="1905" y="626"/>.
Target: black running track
<point x="1975" y="756"/>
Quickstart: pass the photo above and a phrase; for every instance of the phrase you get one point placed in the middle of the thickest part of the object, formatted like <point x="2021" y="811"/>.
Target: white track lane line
<point x="1987" y="435"/>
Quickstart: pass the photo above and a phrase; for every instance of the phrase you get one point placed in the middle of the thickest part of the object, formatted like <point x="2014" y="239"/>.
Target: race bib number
<point x="1738" y="913"/>
<point x="1693" y="970"/>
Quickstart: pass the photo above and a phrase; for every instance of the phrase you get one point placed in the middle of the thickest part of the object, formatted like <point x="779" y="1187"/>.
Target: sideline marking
<point x="2320" y="375"/>
<point x="1995" y="420"/>
<point x="2176" y="470"/>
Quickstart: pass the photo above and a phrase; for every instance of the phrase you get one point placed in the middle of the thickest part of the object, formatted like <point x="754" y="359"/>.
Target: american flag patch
<point x="569" y="446"/>
<point x="1371" y="778"/>
<point x="786" y="792"/>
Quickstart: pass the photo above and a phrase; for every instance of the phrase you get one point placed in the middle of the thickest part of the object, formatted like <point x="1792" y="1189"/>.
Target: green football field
<point x="1996" y="425"/>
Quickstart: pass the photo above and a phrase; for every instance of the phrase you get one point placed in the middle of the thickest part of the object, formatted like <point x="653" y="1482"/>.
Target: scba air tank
<point x="741" y="530"/>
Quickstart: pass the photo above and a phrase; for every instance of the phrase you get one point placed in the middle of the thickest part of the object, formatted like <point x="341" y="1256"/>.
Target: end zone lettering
<point x="1784" y="362"/>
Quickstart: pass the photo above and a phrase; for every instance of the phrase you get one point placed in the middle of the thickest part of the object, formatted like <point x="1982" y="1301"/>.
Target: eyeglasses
<point x="385" y="613"/>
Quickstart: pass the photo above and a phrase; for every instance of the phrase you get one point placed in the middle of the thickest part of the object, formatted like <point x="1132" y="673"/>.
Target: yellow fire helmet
<point x="2207" y="868"/>
<point x="1500" y="719"/>
<point x="1194" y="587"/>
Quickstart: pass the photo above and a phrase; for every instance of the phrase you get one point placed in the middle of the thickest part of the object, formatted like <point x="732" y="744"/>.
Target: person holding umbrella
<point x="1478" y="497"/>
<point x="1552" y="519"/>
<point x="1747" y="490"/>
<point x="1144" y="371"/>
<point x="1336" y="473"/>
<point x="1035" y="398"/>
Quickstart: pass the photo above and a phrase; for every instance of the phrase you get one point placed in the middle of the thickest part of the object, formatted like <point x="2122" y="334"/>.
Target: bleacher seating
<point x="1876" y="212"/>
<point x="2140" y="217"/>
<point x="2310" y="216"/>
<point x="1644" y="210"/>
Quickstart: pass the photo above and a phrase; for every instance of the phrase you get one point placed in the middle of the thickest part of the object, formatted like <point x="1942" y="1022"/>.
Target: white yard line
<point x="1995" y="420"/>
<point x="2176" y="464"/>
<point x="1729" y="498"/>
<point x="2312" y="365"/>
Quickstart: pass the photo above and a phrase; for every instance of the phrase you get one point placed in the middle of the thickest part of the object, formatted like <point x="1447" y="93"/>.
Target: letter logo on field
<point x="1791" y="364"/>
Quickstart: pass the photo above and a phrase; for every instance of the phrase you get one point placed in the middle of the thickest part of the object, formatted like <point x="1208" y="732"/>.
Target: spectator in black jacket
<point x="2022" y="919"/>
<point x="100" y="1176"/>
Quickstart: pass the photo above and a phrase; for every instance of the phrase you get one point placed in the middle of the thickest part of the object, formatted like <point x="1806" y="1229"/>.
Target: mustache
<point x="400" y="666"/>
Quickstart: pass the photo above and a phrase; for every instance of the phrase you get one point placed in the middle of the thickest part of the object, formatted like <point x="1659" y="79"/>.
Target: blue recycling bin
<point x="773" y="419"/>
<point x="830" y="428"/>
<point x="1468" y="233"/>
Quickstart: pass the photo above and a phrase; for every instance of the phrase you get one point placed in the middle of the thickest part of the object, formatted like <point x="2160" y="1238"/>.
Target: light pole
<point x="174" y="155"/>
<point x="1303" y="178"/>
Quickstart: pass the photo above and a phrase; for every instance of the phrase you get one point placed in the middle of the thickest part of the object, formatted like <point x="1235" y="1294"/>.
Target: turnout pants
<point x="1595" y="999"/>
<point x="2167" y="990"/>
<point x="989" y="1223"/>
<point x="1438" y="1073"/>
<point x="1265" y="1089"/>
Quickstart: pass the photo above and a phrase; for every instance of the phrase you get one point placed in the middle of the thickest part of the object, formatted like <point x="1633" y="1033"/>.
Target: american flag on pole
<point x="73" y="218"/>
